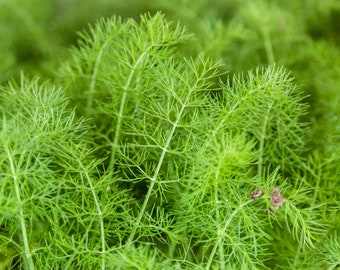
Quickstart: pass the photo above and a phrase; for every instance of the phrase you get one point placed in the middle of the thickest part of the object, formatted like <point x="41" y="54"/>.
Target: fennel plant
<point x="134" y="156"/>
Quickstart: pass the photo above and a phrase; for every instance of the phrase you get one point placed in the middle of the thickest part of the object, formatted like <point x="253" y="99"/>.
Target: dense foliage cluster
<point x="172" y="135"/>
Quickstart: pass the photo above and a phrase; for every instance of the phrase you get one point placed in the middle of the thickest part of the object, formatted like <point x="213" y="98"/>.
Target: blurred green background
<point x="245" y="34"/>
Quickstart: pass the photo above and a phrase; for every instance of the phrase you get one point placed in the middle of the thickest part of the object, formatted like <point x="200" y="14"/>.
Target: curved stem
<point x="158" y="168"/>
<point x="117" y="129"/>
<point x="262" y="139"/>
<point x="100" y="214"/>
<point x="222" y="231"/>
<point x="101" y="222"/>
<point x="27" y="251"/>
<point x="93" y="77"/>
<point x="218" y="217"/>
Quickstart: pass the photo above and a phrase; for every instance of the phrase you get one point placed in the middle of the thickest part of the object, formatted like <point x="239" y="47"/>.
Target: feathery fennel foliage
<point x="34" y="123"/>
<point x="145" y="159"/>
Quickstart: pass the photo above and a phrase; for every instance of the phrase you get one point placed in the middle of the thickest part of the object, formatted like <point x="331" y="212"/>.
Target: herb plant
<point x="152" y="147"/>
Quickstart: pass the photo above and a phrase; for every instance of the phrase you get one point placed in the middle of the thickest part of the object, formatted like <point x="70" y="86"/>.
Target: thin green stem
<point x="317" y="184"/>
<point x="218" y="217"/>
<point x="94" y="76"/>
<point x="158" y="168"/>
<point x="100" y="214"/>
<point x="221" y="233"/>
<point x="117" y="129"/>
<point x="141" y="213"/>
<point x="27" y="251"/>
<point x="262" y="140"/>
